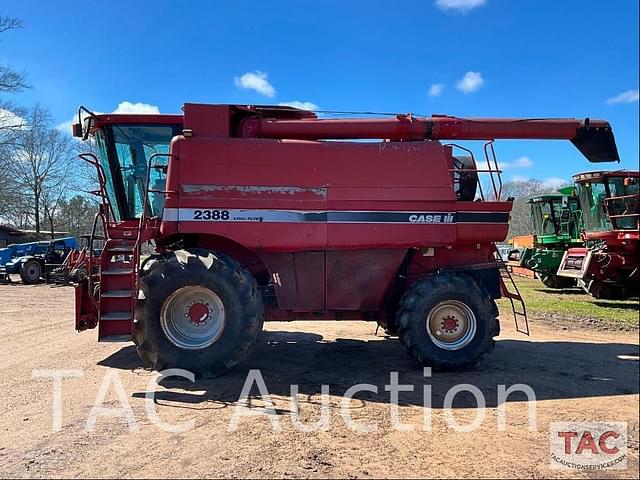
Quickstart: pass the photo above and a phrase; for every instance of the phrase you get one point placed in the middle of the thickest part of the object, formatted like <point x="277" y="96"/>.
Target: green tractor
<point x="556" y="224"/>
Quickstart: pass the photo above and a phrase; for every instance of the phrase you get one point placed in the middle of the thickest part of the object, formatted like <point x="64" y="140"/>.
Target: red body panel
<point x="331" y="228"/>
<point x="339" y="265"/>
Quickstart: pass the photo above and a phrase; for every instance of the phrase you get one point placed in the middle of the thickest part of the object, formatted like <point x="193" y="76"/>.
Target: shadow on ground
<point x="555" y="370"/>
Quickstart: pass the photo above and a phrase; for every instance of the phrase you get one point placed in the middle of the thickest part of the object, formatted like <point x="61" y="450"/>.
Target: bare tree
<point x="10" y="80"/>
<point x="41" y="163"/>
<point x="75" y="215"/>
<point x="11" y="123"/>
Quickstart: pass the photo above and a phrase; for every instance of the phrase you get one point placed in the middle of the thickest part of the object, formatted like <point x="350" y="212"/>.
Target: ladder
<point x="118" y="292"/>
<point x="510" y="291"/>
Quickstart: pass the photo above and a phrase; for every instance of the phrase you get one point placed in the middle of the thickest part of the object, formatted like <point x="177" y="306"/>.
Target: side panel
<point x="360" y="279"/>
<point x="298" y="279"/>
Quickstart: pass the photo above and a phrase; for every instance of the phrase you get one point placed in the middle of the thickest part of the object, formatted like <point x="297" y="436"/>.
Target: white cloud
<point x="630" y="96"/>
<point x="66" y="126"/>
<point x="523" y="162"/>
<point x="302" y="105"/>
<point x="255" y="81"/>
<point x="9" y="120"/>
<point x="554" y="182"/>
<point x="459" y="5"/>
<point x="519" y="178"/>
<point x="128" y="107"/>
<point x="123" y="107"/>
<point x="471" y="82"/>
<point x="436" y="89"/>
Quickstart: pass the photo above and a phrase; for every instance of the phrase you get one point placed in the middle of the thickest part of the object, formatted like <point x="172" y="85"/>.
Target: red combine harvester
<point x="261" y="213"/>
<point x="608" y="266"/>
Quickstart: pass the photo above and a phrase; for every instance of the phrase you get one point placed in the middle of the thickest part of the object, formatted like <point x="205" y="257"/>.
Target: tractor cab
<point x="609" y="202"/>
<point x="607" y="267"/>
<point x="556" y="217"/>
<point x="556" y="227"/>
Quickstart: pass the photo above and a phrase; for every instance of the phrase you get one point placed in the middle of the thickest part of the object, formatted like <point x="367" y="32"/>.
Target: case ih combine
<point x="556" y="225"/>
<point x="255" y="215"/>
<point x="608" y="266"/>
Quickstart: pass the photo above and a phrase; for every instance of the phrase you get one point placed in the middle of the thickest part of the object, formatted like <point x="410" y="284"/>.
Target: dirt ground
<point x="577" y="375"/>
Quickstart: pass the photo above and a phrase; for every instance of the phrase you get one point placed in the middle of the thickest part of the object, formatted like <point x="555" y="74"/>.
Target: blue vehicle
<point x="16" y="250"/>
<point x="33" y="261"/>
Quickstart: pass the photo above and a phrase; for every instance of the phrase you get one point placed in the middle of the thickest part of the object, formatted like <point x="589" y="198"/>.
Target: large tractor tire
<point x="201" y="311"/>
<point x="605" y="291"/>
<point x="30" y="272"/>
<point x="554" y="281"/>
<point x="447" y="321"/>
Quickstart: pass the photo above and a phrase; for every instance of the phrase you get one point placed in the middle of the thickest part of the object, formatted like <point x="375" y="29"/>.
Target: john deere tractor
<point x="556" y="223"/>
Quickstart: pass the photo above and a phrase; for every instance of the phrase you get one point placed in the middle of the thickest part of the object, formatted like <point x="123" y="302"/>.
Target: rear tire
<point x="605" y="291"/>
<point x="554" y="281"/>
<point x="447" y="322"/>
<point x="201" y="311"/>
<point x="30" y="272"/>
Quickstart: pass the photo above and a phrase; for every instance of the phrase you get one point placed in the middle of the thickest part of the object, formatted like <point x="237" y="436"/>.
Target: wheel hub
<point x="451" y="325"/>
<point x="193" y="317"/>
<point x="198" y="313"/>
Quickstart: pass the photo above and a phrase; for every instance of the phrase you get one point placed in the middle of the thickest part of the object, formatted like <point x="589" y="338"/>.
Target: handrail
<point x="475" y="165"/>
<point x="490" y="157"/>
<point x="622" y="200"/>
<point x="92" y="238"/>
<point x="497" y="168"/>
<point x="92" y="159"/>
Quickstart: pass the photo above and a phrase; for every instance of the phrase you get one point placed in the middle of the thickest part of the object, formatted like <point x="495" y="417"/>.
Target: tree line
<point x="41" y="181"/>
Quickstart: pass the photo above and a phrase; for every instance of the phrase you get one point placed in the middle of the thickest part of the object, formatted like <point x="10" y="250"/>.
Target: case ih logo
<point x="431" y="218"/>
<point x="588" y="445"/>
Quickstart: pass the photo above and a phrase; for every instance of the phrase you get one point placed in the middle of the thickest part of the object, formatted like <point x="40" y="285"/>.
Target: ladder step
<point x="121" y="249"/>
<point x="118" y="271"/>
<point x="116" y="316"/>
<point x="117" y="294"/>
<point x="116" y="338"/>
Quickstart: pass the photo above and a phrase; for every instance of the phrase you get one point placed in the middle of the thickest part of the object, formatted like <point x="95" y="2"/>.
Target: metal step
<point x="116" y="338"/>
<point x="116" y="316"/>
<point x="118" y="271"/>
<point x="117" y="294"/>
<point x="121" y="249"/>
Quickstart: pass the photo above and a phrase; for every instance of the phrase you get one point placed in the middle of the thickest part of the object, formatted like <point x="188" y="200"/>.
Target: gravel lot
<point x="577" y="375"/>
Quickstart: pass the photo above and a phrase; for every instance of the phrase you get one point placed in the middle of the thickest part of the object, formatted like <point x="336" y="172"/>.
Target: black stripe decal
<point x="342" y="216"/>
<point x="482" y="217"/>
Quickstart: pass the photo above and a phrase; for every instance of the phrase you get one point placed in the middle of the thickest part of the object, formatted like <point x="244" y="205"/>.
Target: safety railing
<point x="492" y="169"/>
<point x="623" y="208"/>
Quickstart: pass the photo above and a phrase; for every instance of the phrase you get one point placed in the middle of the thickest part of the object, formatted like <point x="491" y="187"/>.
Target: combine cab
<point x="270" y="213"/>
<point x="556" y="224"/>
<point x="608" y="266"/>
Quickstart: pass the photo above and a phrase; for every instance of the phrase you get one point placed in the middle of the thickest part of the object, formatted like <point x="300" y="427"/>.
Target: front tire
<point x="447" y="322"/>
<point x="201" y="311"/>
<point x="30" y="272"/>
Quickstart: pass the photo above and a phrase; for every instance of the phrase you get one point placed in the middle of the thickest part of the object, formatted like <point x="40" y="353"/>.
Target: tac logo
<point x="588" y="445"/>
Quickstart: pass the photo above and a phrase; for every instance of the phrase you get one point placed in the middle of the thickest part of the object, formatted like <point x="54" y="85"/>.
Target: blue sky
<point x="521" y="58"/>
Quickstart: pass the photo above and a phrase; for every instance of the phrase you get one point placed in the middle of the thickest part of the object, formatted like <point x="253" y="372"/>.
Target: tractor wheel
<point x="554" y="281"/>
<point x="199" y="310"/>
<point x="30" y="272"/>
<point x="605" y="291"/>
<point x="447" y="321"/>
